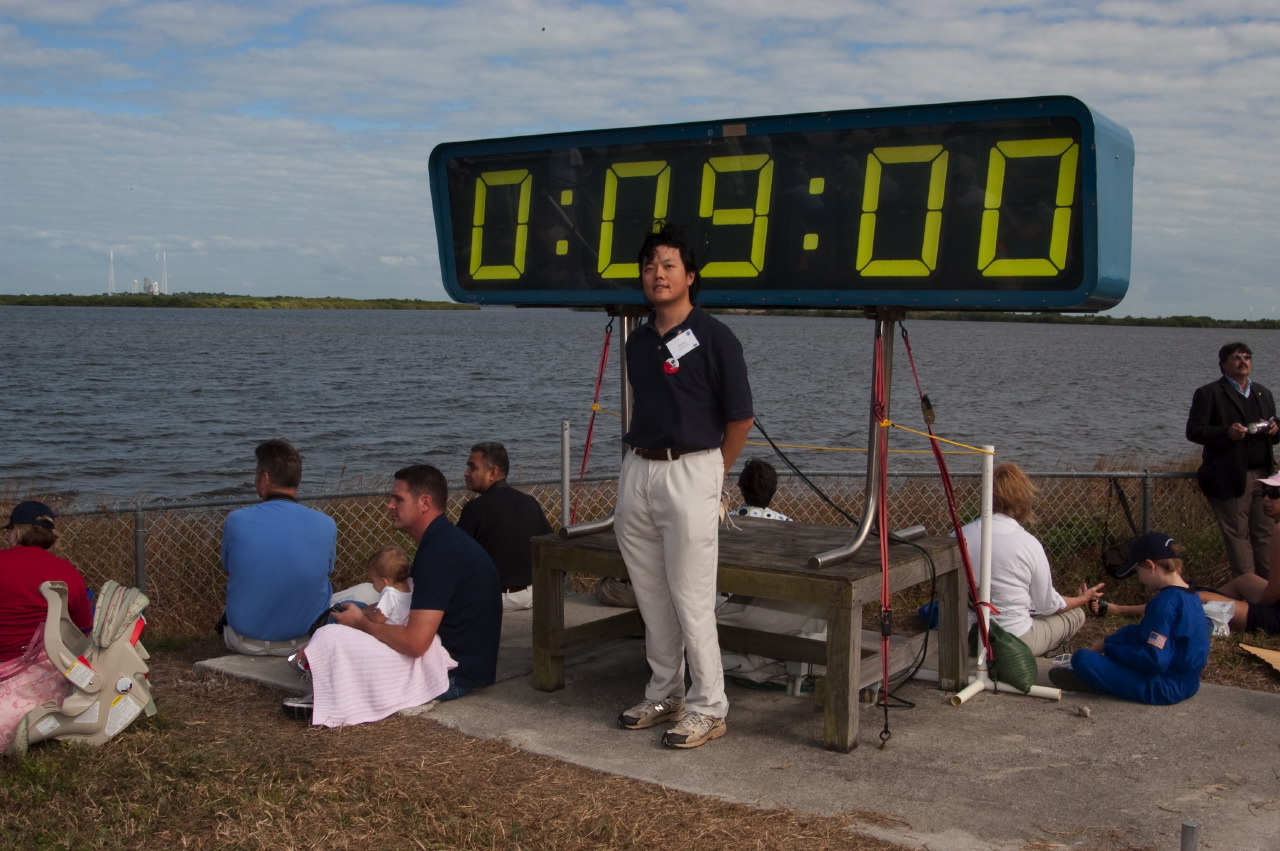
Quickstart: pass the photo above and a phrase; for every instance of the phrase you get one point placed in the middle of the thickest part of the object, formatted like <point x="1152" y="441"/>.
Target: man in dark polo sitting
<point x="502" y="520"/>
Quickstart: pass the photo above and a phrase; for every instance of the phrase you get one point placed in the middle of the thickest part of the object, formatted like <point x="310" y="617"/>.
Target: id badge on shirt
<point x="681" y="344"/>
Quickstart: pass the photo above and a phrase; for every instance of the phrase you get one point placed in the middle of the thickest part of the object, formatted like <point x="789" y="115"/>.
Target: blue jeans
<point x="455" y="690"/>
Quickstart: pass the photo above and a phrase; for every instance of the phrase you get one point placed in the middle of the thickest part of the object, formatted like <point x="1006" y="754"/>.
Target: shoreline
<point x="278" y="302"/>
<point x="222" y="300"/>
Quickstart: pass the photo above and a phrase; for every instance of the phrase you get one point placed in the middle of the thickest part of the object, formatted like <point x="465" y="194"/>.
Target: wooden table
<point x="766" y="558"/>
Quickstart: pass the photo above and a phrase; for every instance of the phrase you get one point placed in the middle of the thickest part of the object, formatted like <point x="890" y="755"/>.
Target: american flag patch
<point x="1157" y="640"/>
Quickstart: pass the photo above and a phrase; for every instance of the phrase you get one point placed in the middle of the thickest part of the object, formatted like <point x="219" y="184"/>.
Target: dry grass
<point x="220" y="767"/>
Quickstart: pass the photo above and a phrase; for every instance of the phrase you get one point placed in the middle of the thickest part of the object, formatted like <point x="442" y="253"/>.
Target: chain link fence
<point x="171" y="550"/>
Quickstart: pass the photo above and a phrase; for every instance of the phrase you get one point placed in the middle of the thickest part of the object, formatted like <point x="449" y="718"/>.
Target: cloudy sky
<point x="280" y="146"/>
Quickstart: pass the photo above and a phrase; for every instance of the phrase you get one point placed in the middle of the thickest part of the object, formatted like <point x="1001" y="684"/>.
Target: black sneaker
<point x="1068" y="680"/>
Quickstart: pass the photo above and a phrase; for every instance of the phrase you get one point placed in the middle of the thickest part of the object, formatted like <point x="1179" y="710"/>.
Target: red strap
<point x="951" y="502"/>
<point x="878" y="394"/>
<point x="591" y="423"/>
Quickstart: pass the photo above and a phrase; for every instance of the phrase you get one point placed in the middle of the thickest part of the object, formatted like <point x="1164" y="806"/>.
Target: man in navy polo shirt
<point x="456" y="592"/>
<point x="691" y="417"/>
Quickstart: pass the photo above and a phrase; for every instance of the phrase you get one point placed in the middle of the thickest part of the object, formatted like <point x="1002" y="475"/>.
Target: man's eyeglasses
<point x="1271" y="491"/>
<point x="1239" y="356"/>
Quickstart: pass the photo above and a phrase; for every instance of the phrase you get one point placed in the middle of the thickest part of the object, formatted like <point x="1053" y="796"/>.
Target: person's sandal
<point x="1098" y="608"/>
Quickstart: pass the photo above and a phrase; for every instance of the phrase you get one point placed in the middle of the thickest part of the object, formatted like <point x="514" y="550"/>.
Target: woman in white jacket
<point x="1022" y="589"/>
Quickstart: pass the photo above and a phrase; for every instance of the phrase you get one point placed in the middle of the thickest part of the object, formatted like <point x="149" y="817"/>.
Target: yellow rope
<point x="971" y="449"/>
<point x="968" y="450"/>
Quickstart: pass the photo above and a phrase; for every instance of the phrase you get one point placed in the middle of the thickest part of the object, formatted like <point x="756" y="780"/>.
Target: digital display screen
<point x="990" y="205"/>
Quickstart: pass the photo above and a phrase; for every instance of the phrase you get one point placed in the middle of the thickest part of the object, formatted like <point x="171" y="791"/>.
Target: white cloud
<point x="285" y="143"/>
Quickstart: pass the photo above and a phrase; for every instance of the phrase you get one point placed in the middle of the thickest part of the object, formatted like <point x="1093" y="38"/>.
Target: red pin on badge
<point x="671" y="366"/>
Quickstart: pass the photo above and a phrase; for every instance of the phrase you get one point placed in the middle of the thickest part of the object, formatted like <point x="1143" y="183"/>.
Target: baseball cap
<point x="1152" y="545"/>
<point x="31" y="513"/>
<point x="1273" y="480"/>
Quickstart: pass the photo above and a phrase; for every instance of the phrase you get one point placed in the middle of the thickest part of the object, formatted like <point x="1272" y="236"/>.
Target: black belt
<point x="663" y="454"/>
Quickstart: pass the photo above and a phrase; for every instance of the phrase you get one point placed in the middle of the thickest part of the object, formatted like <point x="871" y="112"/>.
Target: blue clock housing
<point x="1019" y="205"/>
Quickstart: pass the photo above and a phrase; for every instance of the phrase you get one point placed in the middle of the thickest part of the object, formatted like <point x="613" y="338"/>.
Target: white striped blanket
<point x="357" y="679"/>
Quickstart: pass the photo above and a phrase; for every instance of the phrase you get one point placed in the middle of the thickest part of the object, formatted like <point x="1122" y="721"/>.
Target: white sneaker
<point x="298" y="707"/>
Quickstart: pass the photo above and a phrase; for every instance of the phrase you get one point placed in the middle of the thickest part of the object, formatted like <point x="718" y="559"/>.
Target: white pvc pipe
<point x="981" y="682"/>
<point x="566" y="485"/>
<point x="968" y="691"/>
<point x="984" y="568"/>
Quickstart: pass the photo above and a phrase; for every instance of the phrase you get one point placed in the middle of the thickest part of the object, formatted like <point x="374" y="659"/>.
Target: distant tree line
<point x="1098" y="319"/>
<point x="281" y="302"/>
<point x="278" y="302"/>
<point x="1050" y="318"/>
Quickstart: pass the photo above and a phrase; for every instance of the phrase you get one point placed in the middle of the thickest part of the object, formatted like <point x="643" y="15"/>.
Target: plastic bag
<point x="1219" y="613"/>
<point x="1013" y="662"/>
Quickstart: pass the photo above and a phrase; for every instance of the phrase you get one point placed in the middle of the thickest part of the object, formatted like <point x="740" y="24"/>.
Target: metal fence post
<point x="1190" y="835"/>
<point x="1146" y="501"/>
<point x="139" y="547"/>
<point x="564" y="474"/>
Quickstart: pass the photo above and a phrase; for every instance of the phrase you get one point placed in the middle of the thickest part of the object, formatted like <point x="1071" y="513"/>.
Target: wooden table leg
<point x="548" y="626"/>
<point x="953" y="644"/>
<point x="844" y="661"/>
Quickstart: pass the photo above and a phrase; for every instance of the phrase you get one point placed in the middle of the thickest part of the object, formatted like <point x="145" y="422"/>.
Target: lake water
<point x="169" y="403"/>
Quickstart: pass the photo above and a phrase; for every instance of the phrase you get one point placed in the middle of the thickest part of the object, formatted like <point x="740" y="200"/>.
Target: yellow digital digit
<point x="661" y="193"/>
<point x="756" y="217"/>
<point x="877" y="160"/>
<point x="1068" y="154"/>
<point x="515" y="177"/>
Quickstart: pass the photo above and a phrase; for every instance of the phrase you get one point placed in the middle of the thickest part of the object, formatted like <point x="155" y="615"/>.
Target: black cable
<point x="800" y="475"/>
<point x="900" y="679"/>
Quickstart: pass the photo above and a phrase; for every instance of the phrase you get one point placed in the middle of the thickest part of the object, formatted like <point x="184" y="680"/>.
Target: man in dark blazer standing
<point x="1234" y="419"/>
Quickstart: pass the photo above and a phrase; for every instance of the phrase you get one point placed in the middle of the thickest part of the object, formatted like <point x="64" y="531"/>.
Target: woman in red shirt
<point x="27" y="677"/>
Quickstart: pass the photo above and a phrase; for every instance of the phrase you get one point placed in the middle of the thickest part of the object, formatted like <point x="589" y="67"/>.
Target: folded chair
<point x="107" y="669"/>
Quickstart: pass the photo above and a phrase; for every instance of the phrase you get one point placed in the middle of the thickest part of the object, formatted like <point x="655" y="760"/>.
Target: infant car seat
<point x="106" y="669"/>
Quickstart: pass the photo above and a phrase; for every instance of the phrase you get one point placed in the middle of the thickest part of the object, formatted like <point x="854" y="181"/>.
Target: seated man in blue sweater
<point x="1158" y="660"/>
<point x="278" y="556"/>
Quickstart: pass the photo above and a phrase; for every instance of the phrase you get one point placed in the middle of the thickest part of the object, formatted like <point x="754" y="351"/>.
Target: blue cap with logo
<point x="31" y="513"/>
<point x="1152" y="545"/>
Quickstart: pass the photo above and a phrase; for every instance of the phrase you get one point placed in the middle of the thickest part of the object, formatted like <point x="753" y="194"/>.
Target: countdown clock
<point x="994" y="205"/>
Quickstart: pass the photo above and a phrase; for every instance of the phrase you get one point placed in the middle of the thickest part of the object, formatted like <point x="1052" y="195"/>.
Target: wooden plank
<point x="793" y="648"/>
<point x="844" y="661"/>
<point x="953" y="623"/>
<point x="604" y="629"/>
<point x="548" y="621"/>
